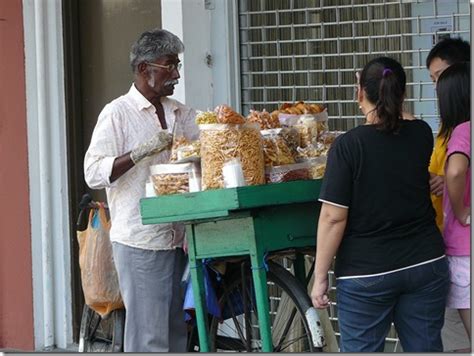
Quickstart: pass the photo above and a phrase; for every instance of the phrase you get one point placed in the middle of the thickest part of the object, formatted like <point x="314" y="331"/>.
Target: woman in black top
<point x="378" y="220"/>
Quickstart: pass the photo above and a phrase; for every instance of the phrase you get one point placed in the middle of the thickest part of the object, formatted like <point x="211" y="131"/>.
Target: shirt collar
<point x="143" y="103"/>
<point x="140" y="100"/>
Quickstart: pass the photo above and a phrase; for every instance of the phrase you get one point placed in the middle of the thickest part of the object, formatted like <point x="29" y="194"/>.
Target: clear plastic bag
<point x="221" y="143"/>
<point x="311" y="127"/>
<point x="320" y="148"/>
<point x="184" y="150"/>
<point x="287" y="173"/>
<point x="264" y="119"/>
<point x="175" y="178"/>
<point x="317" y="167"/>
<point x="275" y="149"/>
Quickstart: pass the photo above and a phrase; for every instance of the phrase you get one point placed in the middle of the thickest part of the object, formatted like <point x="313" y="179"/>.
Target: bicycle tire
<point x="99" y="334"/>
<point x="245" y="336"/>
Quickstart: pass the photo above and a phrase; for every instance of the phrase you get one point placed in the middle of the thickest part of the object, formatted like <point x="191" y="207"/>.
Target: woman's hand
<point x="319" y="295"/>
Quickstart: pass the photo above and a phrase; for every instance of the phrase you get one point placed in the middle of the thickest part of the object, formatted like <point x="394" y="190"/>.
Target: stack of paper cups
<point x="233" y="174"/>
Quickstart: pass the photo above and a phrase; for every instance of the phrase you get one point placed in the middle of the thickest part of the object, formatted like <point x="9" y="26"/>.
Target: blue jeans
<point x="413" y="299"/>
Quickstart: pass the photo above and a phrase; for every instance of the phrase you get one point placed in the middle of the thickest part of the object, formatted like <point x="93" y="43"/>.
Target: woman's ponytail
<point x="383" y="80"/>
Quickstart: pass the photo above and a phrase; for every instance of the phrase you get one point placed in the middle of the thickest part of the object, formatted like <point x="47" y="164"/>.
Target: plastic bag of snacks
<point x="225" y="115"/>
<point x="175" y="178"/>
<point x="275" y="149"/>
<point x="292" y="139"/>
<point x="311" y="128"/>
<point x="206" y="117"/>
<point x="287" y="173"/>
<point x="184" y="150"/>
<point x="289" y="114"/>
<point x="311" y="151"/>
<point x="317" y="167"/>
<point x="221" y="143"/>
<point x="328" y="137"/>
<point x="264" y="119"/>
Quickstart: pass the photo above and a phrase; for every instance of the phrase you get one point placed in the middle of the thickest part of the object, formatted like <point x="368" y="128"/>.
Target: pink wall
<point x="16" y="293"/>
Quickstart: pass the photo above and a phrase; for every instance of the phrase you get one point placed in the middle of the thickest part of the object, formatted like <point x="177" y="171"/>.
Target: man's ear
<point x="142" y="68"/>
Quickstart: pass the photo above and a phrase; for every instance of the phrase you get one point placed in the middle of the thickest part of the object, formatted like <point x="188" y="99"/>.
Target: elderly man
<point x="132" y="133"/>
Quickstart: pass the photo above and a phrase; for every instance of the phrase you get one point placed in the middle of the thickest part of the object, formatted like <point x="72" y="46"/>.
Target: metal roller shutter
<point x="309" y="50"/>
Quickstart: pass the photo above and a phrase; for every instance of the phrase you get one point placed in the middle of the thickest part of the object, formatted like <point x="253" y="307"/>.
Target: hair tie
<point x="386" y="72"/>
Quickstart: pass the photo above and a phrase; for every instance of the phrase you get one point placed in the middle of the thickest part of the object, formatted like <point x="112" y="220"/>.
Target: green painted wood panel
<point x="220" y="202"/>
<point x="223" y="238"/>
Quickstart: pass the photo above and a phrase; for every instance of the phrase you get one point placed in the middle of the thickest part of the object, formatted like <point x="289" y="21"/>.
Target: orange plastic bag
<point x="98" y="274"/>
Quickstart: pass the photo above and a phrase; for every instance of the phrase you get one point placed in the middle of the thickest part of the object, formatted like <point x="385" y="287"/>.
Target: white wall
<point x="210" y="61"/>
<point x="47" y="152"/>
<point x="428" y="110"/>
<point x="190" y="21"/>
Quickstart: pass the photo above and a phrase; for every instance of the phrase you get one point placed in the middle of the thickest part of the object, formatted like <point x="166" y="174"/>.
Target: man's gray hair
<point x="154" y="44"/>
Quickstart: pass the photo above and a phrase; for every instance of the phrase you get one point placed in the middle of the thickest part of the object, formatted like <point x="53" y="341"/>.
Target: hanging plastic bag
<point x="99" y="277"/>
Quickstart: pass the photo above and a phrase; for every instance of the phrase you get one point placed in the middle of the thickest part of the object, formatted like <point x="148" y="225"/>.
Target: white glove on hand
<point x="156" y="144"/>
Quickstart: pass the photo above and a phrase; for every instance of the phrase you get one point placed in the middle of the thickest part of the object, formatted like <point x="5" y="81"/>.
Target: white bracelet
<point x="468" y="220"/>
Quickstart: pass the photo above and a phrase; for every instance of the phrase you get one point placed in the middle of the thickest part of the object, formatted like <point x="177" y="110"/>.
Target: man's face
<point x="437" y="66"/>
<point x="163" y="75"/>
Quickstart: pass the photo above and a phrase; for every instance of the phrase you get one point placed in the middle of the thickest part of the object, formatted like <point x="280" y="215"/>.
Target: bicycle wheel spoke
<point x="241" y="330"/>
<point x="292" y="342"/>
<point x="236" y="322"/>
<point x="287" y="328"/>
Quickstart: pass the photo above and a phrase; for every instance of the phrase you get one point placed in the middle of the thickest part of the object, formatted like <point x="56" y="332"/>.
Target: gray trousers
<point x="150" y="283"/>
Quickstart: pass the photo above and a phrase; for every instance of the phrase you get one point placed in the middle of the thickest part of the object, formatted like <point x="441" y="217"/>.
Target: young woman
<point x="378" y="218"/>
<point x="454" y="96"/>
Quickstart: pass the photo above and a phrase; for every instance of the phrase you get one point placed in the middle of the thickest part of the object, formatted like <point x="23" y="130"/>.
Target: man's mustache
<point x="171" y="82"/>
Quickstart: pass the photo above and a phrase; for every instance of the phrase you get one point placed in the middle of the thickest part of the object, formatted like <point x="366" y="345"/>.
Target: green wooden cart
<point x="252" y="220"/>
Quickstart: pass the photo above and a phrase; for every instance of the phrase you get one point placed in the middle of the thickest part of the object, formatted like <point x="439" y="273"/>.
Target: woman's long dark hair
<point x="383" y="80"/>
<point x="454" y="97"/>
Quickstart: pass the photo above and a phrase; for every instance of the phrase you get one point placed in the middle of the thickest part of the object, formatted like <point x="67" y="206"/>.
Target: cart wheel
<point x="288" y="302"/>
<point x="99" y="334"/>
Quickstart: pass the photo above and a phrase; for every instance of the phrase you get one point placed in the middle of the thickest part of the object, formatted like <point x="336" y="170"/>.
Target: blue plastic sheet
<point x="212" y="304"/>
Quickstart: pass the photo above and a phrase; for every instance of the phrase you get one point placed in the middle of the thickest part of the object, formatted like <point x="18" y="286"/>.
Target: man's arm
<point x="331" y="225"/>
<point x="156" y="144"/>
<point x="121" y="165"/>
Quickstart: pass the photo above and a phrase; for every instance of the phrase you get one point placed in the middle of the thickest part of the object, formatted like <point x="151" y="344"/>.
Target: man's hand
<point x="436" y="184"/>
<point x="319" y="295"/>
<point x="156" y="144"/>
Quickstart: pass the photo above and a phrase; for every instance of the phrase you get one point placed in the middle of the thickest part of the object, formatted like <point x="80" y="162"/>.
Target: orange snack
<point x="225" y="115"/>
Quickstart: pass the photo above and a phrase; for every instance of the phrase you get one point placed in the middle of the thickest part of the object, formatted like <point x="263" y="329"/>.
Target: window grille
<point x="309" y="50"/>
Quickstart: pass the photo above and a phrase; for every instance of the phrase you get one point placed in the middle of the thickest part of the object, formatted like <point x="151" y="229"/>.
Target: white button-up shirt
<point x="123" y="124"/>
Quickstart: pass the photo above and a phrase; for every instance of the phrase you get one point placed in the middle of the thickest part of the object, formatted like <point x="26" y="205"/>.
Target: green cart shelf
<point x="252" y="220"/>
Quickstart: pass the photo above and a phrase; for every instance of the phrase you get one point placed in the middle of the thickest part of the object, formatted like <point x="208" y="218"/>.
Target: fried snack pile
<point x="292" y="139"/>
<point x="264" y="119"/>
<point x="317" y="170"/>
<point x="320" y="147"/>
<point x="226" y="115"/>
<point x="171" y="183"/>
<point x="287" y="173"/>
<point x="276" y="151"/>
<point x="220" y="145"/>
<point x="300" y="108"/>
<point x="182" y="148"/>
<point x="206" y="117"/>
